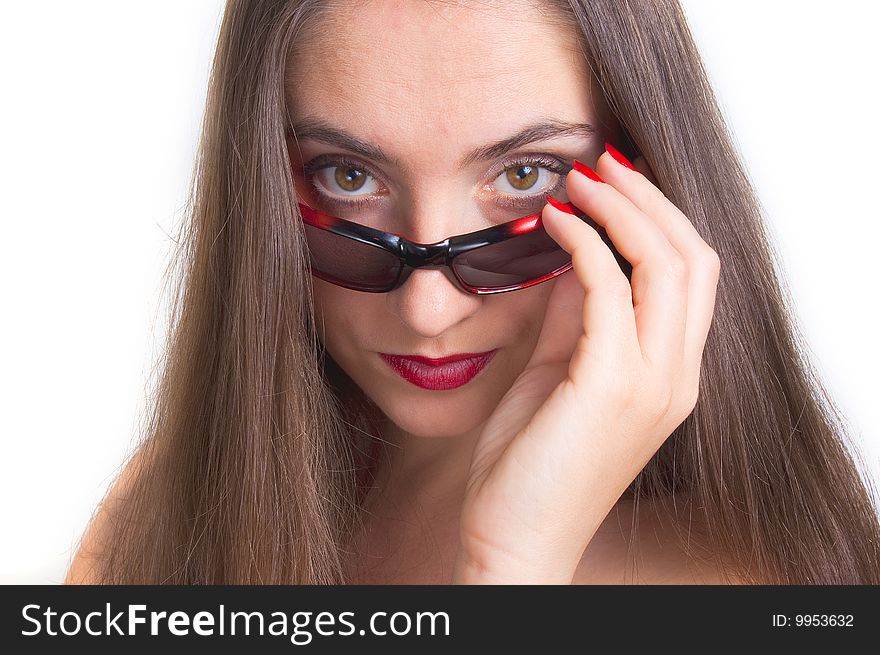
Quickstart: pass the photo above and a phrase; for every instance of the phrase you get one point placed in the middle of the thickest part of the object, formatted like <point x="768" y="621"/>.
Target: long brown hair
<point x="252" y="463"/>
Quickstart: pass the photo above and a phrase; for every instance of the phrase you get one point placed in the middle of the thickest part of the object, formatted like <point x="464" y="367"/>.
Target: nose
<point x="430" y="302"/>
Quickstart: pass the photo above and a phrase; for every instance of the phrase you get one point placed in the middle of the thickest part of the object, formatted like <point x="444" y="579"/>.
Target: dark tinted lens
<point x="350" y="263"/>
<point x="517" y="260"/>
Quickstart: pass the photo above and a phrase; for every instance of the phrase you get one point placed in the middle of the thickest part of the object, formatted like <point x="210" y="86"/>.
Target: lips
<point x="441" y="373"/>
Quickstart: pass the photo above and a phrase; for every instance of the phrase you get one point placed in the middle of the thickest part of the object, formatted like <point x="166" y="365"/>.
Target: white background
<point x="101" y="103"/>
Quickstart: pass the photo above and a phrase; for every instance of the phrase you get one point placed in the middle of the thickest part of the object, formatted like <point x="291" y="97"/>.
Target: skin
<point x="487" y="482"/>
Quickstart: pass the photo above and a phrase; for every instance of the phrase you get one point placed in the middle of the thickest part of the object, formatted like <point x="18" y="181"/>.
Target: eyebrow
<point x="541" y="130"/>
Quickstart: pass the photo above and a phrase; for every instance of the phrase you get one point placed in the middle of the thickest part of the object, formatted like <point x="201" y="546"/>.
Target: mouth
<point x="438" y="374"/>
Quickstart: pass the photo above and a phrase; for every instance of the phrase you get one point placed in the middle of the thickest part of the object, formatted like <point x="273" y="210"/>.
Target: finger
<point x="702" y="262"/>
<point x="645" y="195"/>
<point x="659" y="274"/>
<point x="642" y="167"/>
<point x="607" y="318"/>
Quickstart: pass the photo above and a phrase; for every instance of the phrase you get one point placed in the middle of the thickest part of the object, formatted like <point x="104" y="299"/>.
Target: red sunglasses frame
<point x="412" y="255"/>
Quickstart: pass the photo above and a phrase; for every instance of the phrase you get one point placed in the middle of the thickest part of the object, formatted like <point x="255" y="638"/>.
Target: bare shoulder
<point x="84" y="567"/>
<point x="654" y="554"/>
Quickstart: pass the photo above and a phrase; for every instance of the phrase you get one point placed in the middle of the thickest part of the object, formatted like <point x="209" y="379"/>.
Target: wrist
<point x="499" y="568"/>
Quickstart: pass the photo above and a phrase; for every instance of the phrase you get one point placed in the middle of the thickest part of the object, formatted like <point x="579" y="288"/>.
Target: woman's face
<point x="428" y="84"/>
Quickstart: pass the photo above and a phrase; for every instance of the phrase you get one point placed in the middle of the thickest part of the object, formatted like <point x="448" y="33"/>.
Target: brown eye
<point x="522" y="178"/>
<point x="349" y="178"/>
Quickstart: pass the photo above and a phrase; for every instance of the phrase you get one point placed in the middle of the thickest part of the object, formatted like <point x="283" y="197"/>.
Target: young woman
<point x="382" y="182"/>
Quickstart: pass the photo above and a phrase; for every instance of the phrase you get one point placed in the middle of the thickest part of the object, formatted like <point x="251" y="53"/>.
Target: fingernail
<point x="586" y="170"/>
<point x="614" y="152"/>
<point x="560" y="206"/>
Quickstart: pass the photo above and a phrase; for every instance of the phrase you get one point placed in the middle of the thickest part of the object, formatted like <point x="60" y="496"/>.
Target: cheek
<point x="342" y="319"/>
<point x="537" y="311"/>
<point x="329" y="314"/>
<point x="333" y="303"/>
<point x="524" y="316"/>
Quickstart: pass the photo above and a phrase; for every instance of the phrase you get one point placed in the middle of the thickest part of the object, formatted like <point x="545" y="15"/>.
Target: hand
<point x="615" y="370"/>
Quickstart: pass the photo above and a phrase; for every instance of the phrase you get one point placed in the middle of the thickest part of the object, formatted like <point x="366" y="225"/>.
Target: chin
<point x="436" y="420"/>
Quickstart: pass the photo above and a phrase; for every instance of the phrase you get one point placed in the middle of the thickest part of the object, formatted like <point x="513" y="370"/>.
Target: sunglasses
<point x="507" y="257"/>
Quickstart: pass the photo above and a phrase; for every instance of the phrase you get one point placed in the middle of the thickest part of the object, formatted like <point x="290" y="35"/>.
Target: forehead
<point x="434" y="77"/>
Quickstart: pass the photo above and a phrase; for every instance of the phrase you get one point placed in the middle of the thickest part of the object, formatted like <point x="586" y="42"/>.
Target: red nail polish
<point x="586" y="170"/>
<point x="614" y="152"/>
<point x="560" y="206"/>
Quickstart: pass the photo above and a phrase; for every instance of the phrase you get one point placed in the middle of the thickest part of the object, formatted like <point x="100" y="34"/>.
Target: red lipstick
<point x="441" y="373"/>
